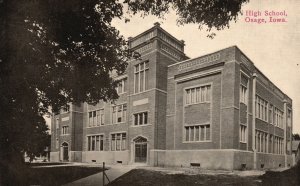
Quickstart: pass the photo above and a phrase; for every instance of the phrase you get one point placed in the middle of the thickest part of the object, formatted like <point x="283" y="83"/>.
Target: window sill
<point x="270" y="153"/>
<point x="116" y="123"/>
<point x="148" y="90"/>
<point x="244" y="103"/>
<point x="120" y="94"/>
<point x="67" y="112"/>
<point x="278" y="127"/>
<point x="95" y="150"/>
<point x="207" y="141"/>
<point x="95" y="126"/>
<point x="145" y="125"/>
<point x="244" y="142"/>
<point x="262" y="120"/>
<point x="207" y="102"/>
<point x="65" y="135"/>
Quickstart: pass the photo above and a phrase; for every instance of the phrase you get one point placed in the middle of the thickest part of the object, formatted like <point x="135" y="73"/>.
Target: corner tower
<point x="148" y="91"/>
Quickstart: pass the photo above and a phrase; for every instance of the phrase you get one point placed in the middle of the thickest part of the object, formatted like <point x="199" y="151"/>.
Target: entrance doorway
<point x="65" y="151"/>
<point x="140" y="148"/>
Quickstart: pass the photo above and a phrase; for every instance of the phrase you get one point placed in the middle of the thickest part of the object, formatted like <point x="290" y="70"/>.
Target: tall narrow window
<point x="243" y="94"/>
<point x="243" y="89"/>
<point x="94" y="118"/>
<point x="123" y="142"/>
<point x="141" y="73"/>
<point x="114" y="114"/>
<point x="118" y="142"/>
<point x="188" y="96"/>
<point x="57" y="123"/>
<point x="97" y="143"/>
<point x="113" y="142"/>
<point x="270" y="143"/>
<point x="289" y="118"/>
<point x="90" y="119"/>
<point x="93" y="142"/>
<point x="271" y="114"/>
<point x="243" y="133"/>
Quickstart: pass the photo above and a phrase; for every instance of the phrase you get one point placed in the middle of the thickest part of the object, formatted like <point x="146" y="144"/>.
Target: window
<point x="271" y="114"/>
<point x="261" y="107"/>
<point x="121" y="88"/>
<point x="119" y="113"/>
<point x="198" y="94"/>
<point x="65" y="130"/>
<point x="278" y="145"/>
<point x="271" y="143"/>
<point x="243" y="134"/>
<point x="261" y="141"/>
<point x="100" y="117"/>
<point x="243" y="90"/>
<point x="118" y="141"/>
<point x="57" y="123"/>
<point x="243" y="94"/>
<point x="289" y="118"/>
<point x="141" y="73"/>
<point x="288" y="147"/>
<point x="95" y="143"/>
<point x="57" y="143"/>
<point x="197" y="133"/>
<point x="278" y="117"/>
<point x="268" y="143"/>
<point x="92" y="115"/>
<point x="96" y="118"/>
<point x="140" y="118"/>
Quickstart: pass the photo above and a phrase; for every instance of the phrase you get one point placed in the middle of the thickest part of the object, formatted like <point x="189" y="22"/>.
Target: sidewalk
<point x="113" y="173"/>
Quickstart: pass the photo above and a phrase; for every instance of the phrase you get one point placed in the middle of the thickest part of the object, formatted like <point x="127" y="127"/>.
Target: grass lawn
<point x="36" y="175"/>
<point x="143" y="177"/>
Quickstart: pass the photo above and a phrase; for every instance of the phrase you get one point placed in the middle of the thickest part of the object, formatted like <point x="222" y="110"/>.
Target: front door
<point x="65" y="152"/>
<point x="141" y="152"/>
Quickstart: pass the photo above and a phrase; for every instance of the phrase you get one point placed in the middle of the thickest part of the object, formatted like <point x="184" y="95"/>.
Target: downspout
<point x="253" y="119"/>
<point x="284" y="129"/>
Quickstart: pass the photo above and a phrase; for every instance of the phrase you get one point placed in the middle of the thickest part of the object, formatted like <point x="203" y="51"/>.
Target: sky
<point x="272" y="46"/>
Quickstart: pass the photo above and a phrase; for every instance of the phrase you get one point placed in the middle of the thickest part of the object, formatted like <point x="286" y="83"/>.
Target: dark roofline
<point x="263" y="74"/>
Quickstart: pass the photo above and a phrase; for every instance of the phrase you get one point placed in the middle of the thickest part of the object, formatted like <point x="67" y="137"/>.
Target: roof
<point x="295" y="145"/>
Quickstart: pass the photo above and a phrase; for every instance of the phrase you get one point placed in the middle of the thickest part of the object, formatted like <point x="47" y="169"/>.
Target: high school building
<point x="216" y="111"/>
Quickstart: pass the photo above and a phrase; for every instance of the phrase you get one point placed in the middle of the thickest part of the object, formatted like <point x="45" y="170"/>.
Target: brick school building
<point x="216" y="111"/>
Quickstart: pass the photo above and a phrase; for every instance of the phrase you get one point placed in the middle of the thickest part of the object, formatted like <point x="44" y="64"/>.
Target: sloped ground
<point x="290" y="177"/>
